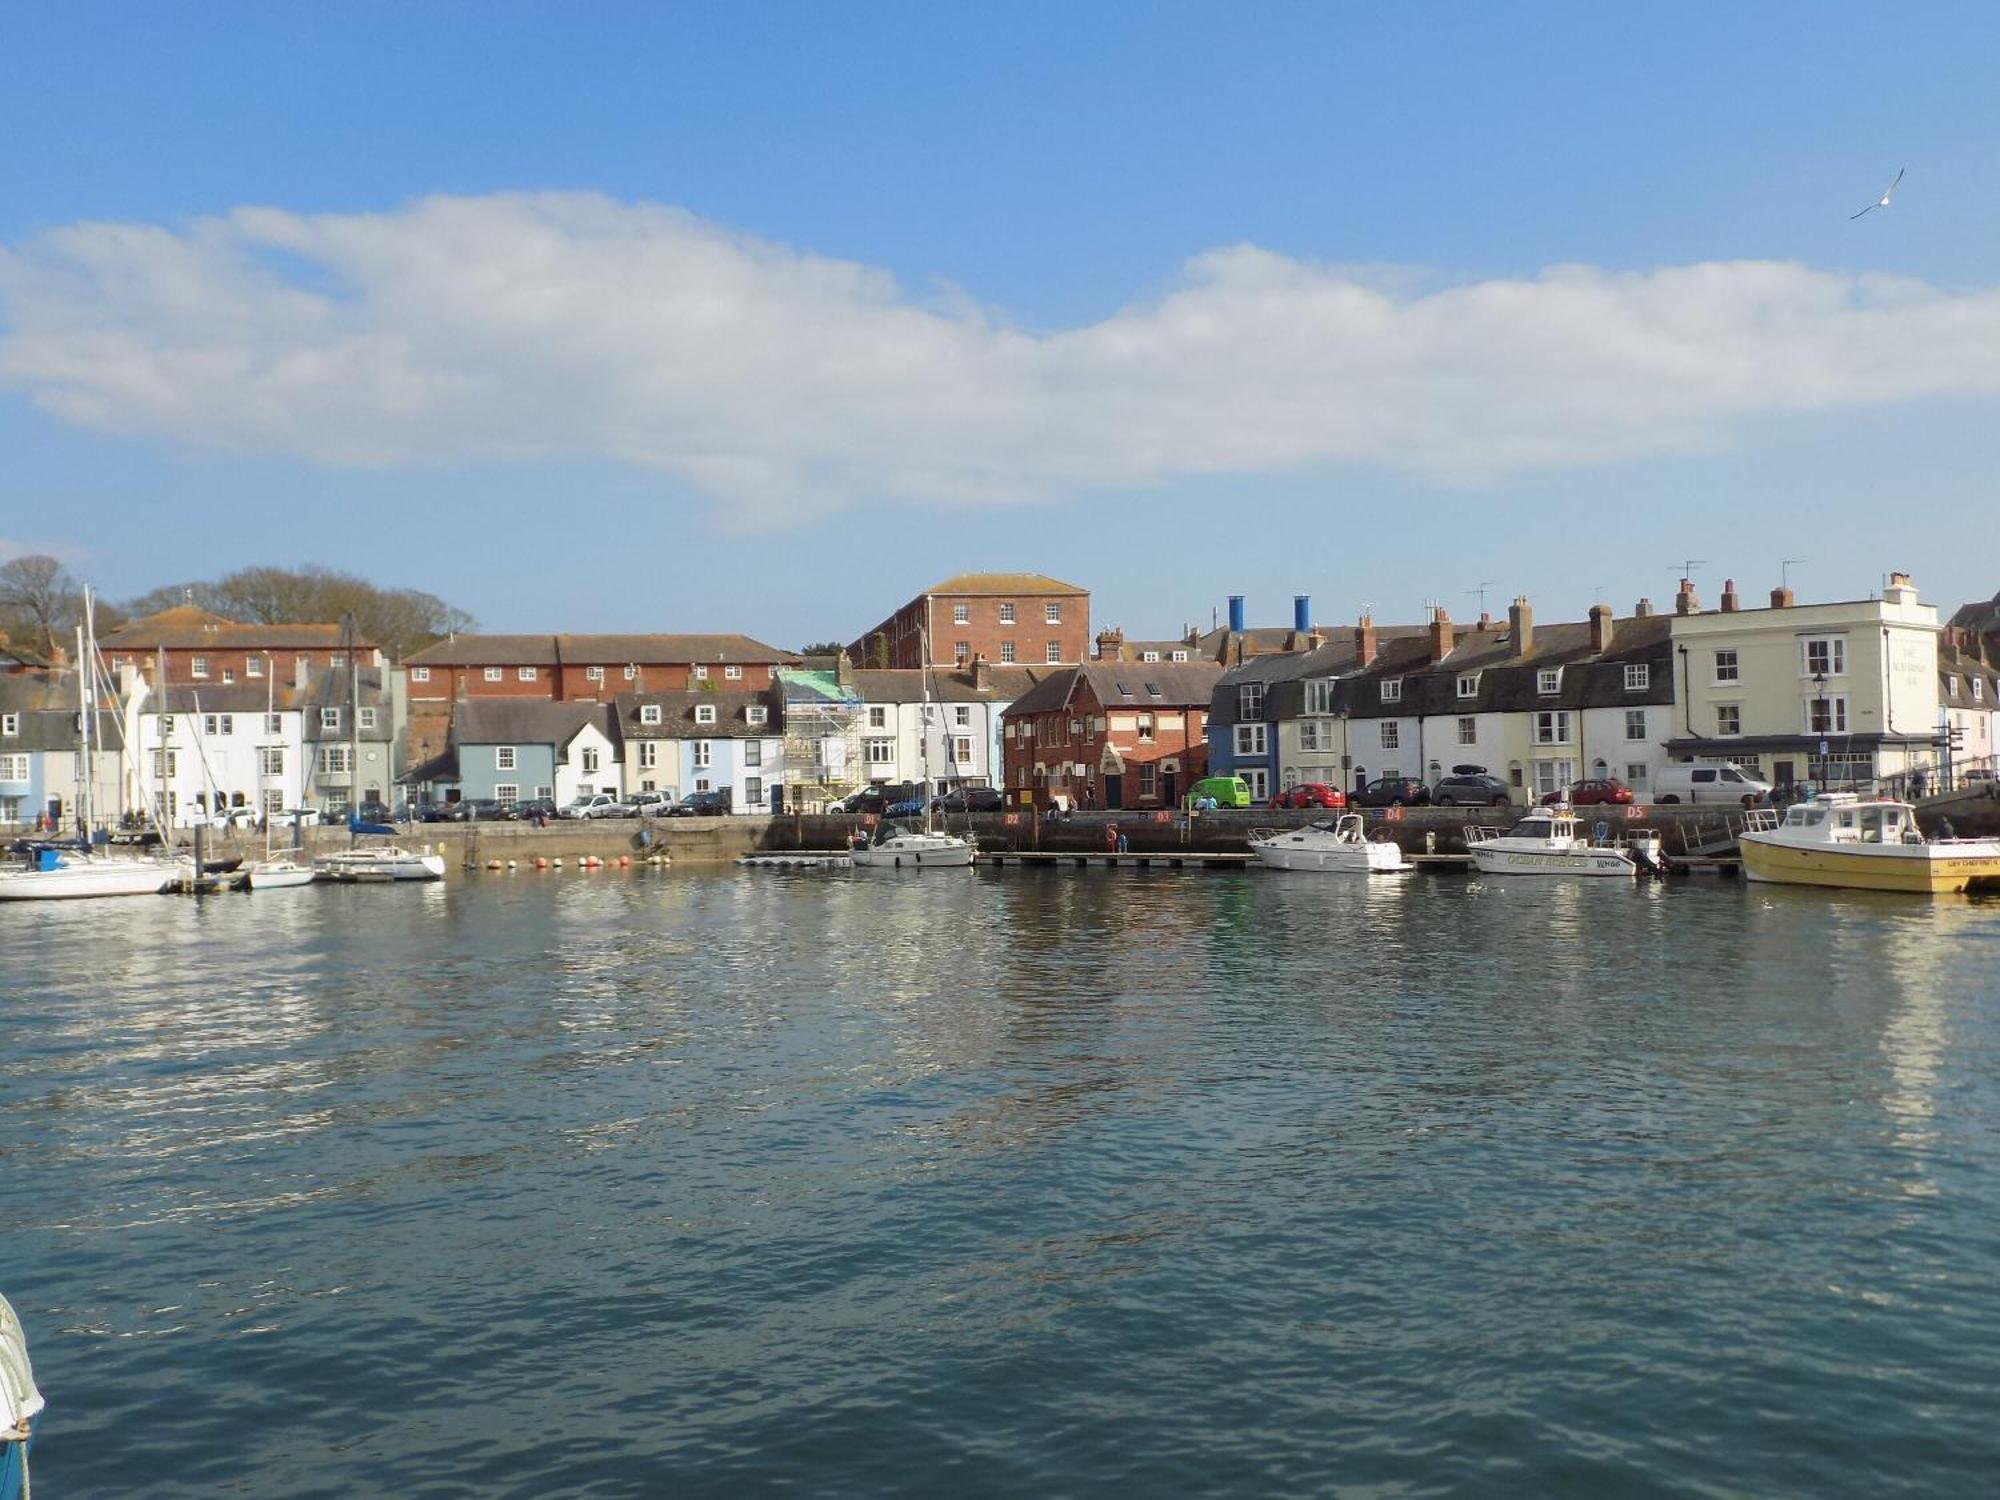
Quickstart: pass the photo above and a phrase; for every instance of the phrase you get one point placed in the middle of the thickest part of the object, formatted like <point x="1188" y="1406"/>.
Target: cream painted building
<point x="1839" y="694"/>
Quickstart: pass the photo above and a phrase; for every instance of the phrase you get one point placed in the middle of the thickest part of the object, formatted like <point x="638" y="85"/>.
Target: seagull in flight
<point x="1883" y="201"/>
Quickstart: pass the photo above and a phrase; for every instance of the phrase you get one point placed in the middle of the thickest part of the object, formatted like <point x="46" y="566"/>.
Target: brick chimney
<point x="1364" y="641"/>
<point x="1521" y="621"/>
<point x="1781" y="598"/>
<point x="1600" y="628"/>
<point x="1643" y="610"/>
<point x="982" y="673"/>
<point x="1109" y="642"/>
<point x="1730" y="603"/>
<point x="1687" y="602"/>
<point x="1441" y="634"/>
<point x="1485" y="622"/>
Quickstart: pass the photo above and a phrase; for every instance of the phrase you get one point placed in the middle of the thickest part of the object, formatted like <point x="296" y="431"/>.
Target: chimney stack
<point x="1781" y="598"/>
<point x="1441" y="635"/>
<point x="1485" y="621"/>
<point x="1687" y="602"/>
<point x="1364" y="642"/>
<point x="1730" y="603"/>
<point x="1521" y="620"/>
<point x="1600" y="628"/>
<point x="1109" y="641"/>
<point x="1643" y="610"/>
<point x="1900" y="590"/>
<point x="982" y="673"/>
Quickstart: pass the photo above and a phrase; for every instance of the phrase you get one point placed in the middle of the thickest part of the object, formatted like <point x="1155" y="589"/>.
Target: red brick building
<point x="585" y="668"/>
<point x="1022" y="619"/>
<point x="203" y="648"/>
<point x="1112" y="734"/>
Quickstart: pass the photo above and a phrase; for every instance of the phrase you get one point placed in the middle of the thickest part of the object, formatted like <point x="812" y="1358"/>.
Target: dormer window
<point x="1392" y="690"/>
<point x="1978" y="690"/>
<point x="704" y="713"/>
<point x="1180" y="656"/>
<point x="1149" y="656"/>
<point x="756" y="713"/>
<point x="1638" y="678"/>
<point x="1951" y="687"/>
<point x="1468" y="685"/>
<point x="1250" y="701"/>
<point x="649" y="713"/>
<point x="1549" y="680"/>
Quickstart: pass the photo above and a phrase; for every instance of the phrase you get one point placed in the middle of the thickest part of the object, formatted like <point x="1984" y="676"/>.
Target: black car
<point x="1391" y="791"/>
<point x="475" y="810"/>
<point x="978" y="799"/>
<point x="701" y="805"/>
<point x="376" y="812"/>
<point x="1478" y="790"/>
<point x="535" y="807"/>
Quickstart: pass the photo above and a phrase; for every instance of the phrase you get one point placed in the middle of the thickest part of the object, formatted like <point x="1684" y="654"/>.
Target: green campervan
<point x="1228" y="791"/>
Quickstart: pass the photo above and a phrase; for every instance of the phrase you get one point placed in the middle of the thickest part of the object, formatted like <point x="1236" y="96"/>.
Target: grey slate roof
<point x="1004" y="684"/>
<point x="1123" y="685"/>
<point x="528" y="721"/>
<point x="677" y="716"/>
<point x="595" y="651"/>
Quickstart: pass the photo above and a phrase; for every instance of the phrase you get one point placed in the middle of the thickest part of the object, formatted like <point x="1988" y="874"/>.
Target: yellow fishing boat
<point x="1864" y="844"/>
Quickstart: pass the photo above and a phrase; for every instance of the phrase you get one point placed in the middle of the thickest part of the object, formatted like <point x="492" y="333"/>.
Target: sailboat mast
<point x="83" y="728"/>
<point x="353" y="724"/>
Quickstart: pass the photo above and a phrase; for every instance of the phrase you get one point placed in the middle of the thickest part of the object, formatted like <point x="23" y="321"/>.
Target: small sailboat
<point x="361" y="863"/>
<point x="899" y="846"/>
<point x="62" y="870"/>
<point x="275" y="871"/>
<point x="1546" y="842"/>
<point x="1340" y="846"/>
<point x="20" y="1404"/>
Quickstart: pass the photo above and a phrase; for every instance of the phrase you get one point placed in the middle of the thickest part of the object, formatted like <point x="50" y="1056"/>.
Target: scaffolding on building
<point x="823" y="719"/>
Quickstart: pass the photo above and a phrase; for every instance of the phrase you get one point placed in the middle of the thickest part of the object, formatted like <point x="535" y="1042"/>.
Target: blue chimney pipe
<point x="1236" y="613"/>
<point x="1302" y="613"/>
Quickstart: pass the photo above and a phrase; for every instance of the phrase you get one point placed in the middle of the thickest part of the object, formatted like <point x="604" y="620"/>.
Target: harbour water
<point x="1043" y="1183"/>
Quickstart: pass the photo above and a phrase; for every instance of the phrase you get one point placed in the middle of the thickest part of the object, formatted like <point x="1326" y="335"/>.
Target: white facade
<point x="189" y="764"/>
<point x="588" y="764"/>
<point x="747" y="768"/>
<point x="962" y="741"/>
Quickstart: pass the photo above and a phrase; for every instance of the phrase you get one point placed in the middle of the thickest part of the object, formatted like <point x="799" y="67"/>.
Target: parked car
<point x="1592" y="792"/>
<point x="1228" y="791"/>
<point x="971" y="799"/>
<point x="377" y="812"/>
<point x="1392" y="791"/>
<point x="647" y="804"/>
<point x="878" y="798"/>
<point x="434" y="812"/>
<point x="590" y="806"/>
<point x="907" y="807"/>
<point x="701" y="805"/>
<point x="1310" y="794"/>
<point x="1472" y="789"/>
<point x="1715" y="783"/>
<point x="617" y="807"/>
<point x="528" y="810"/>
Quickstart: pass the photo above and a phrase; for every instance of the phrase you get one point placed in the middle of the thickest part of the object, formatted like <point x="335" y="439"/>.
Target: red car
<point x="1310" y="794"/>
<point x="1590" y="793"/>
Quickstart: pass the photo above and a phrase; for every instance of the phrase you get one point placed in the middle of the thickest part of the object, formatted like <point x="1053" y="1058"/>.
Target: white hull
<point x="280" y="874"/>
<point x="1341" y="851"/>
<point x="1573" y="863"/>
<point x="76" y="879"/>
<point x="914" y="851"/>
<point x="378" y="866"/>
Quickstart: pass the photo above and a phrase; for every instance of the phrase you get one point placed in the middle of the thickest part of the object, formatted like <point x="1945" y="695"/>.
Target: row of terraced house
<point x="990" y="679"/>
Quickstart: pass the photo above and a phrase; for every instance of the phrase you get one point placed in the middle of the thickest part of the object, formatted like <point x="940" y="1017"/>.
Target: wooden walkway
<point x="1076" y="859"/>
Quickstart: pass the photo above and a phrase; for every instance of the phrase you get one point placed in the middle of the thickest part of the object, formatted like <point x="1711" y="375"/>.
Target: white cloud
<point x="781" y="383"/>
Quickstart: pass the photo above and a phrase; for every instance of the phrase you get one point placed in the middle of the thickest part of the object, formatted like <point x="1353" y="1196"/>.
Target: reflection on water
<point x="1079" y="1182"/>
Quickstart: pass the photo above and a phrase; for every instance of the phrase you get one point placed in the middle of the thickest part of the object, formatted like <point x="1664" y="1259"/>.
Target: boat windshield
<point x="1804" y="816"/>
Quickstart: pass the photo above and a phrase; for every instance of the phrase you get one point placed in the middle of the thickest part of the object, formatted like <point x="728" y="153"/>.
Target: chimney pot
<point x="1600" y="628"/>
<point x="1730" y="603"/>
<point x="1642" y="610"/>
<point x="1687" y="602"/>
<point x="1441" y="634"/>
<point x="1521" y="620"/>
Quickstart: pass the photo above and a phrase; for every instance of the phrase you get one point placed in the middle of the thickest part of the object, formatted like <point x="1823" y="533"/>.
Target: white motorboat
<point x="1341" y="846"/>
<point x="67" y="874"/>
<point x="20" y="1404"/>
<point x="379" y="864"/>
<point x="1863" y="843"/>
<point x="1547" y="842"/>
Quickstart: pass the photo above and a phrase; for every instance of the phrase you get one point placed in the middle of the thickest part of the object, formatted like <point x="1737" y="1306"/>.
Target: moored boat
<point x="911" y="848"/>
<point x="58" y="874"/>
<point x="279" y="874"/>
<point x="1847" y="841"/>
<point x="1547" y="842"/>
<point x="377" y="864"/>
<point x="20" y="1404"/>
<point x="1340" y="846"/>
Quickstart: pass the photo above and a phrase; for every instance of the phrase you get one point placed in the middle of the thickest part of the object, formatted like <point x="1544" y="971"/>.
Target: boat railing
<point x="1481" y="833"/>
<point x="1759" y="820"/>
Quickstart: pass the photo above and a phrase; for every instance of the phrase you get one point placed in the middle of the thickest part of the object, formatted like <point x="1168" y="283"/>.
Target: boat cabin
<point x="1844" y="819"/>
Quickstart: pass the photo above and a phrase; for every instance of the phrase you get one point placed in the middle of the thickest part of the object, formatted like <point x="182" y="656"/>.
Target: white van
<point x="1731" y="784"/>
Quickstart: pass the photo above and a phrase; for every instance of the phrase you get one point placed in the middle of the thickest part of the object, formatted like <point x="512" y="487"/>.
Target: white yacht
<point x="54" y="874"/>
<point x="1547" y="842"/>
<point x="1866" y="844"/>
<point x="896" y="846"/>
<point x="275" y="873"/>
<point x="1341" y="845"/>
<point x="20" y="1403"/>
<point x="381" y="863"/>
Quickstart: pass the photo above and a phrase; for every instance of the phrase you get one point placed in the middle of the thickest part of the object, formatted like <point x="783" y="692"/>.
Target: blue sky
<point x="1097" y="222"/>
